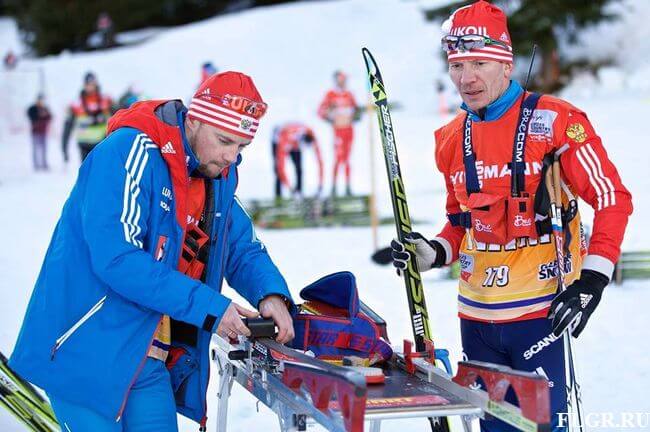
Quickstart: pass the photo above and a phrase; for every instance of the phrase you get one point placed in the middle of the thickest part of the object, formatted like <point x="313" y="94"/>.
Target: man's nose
<point x="231" y="157"/>
<point x="468" y="75"/>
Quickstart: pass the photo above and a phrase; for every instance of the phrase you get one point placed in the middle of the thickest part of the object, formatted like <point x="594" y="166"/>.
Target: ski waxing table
<point x="298" y="387"/>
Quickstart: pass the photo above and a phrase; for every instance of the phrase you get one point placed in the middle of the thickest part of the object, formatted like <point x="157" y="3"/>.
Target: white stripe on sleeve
<point x="134" y="167"/>
<point x="592" y="180"/>
<point x="610" y="185"/>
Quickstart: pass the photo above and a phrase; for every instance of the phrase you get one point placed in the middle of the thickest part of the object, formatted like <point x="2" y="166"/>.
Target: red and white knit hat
<point x="480" y="18"/>
<point x="229" y="101"/>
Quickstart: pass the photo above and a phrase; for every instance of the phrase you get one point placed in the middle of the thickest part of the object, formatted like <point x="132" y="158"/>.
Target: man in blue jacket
<point x="118" y="327"/>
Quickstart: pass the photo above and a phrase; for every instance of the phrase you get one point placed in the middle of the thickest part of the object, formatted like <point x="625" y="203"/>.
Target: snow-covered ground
<point x="291" y="51"/>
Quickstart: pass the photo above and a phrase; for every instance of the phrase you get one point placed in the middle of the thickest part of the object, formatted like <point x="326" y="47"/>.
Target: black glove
<point x="428" y="253"/>
<point x="577" y="302"/>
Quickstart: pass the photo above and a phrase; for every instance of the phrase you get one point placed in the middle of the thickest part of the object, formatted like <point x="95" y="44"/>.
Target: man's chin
<point x="210" y="171"/>
<point x="476" y="105"/>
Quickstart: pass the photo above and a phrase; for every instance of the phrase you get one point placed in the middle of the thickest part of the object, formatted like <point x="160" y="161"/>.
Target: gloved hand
<point x="577" y="302"/>
<point x="428" y="253"/>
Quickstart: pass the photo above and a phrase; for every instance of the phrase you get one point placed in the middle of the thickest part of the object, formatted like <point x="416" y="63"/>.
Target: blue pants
<point x="150" y="407"/>
<point x="506" y="344"/>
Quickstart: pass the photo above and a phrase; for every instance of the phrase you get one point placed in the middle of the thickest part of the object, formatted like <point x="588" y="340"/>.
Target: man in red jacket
<point x="289" y="139"/>
<point x="339" y="108"/>
<point x="498" y="228"/>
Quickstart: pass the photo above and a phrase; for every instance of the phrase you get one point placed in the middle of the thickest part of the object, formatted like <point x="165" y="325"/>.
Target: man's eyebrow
<point x="226" y="139"/>
<point x="229" y="140"/>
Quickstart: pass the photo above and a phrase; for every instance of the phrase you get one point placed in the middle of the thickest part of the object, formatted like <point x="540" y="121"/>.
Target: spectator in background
<point x="340" y="109"/>
<point x="105" y="30"/>
<point x="89" y="114"/>
<point x="207" y="70"/>
<point x="129" y="97"/>
<point x="289" y="139"/>
<point x="10" y="60"/>
<point x="39" y="117"/>
<point x="67" y="130"/>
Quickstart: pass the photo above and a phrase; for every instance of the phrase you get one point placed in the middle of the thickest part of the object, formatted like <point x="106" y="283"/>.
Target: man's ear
<point x="191" y="127"/>
<point x="507" y="70"/>
<point x="192" y="124"/>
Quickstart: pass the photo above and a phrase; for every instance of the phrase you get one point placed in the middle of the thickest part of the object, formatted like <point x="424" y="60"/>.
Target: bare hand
<point x="274" y="307"/>
<point x="231" y="325"/>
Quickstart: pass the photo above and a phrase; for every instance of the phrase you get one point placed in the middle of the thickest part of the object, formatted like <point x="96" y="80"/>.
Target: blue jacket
<point x="105" y="281"/>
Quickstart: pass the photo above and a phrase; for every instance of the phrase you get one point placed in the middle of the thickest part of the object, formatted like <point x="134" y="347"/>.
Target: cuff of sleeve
<point x="291" y="306"/>
<point x="273" y="285"/>
<point x="447" y="246"/>
<point x="598" y="263"/>
<point x="215" y="312"/>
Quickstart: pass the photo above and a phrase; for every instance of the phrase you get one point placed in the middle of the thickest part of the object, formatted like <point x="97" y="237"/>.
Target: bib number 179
<point x="498" y="275"/>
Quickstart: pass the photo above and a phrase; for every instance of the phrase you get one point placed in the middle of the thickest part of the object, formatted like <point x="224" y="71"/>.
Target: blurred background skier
<point x="89" y="115"/>
<point x="289" y="139"/>
<point x="39" y="117"/>
<point x="340" y="109"/>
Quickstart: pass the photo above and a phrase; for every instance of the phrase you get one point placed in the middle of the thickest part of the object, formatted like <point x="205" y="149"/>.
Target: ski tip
<point x="370" y="61"/>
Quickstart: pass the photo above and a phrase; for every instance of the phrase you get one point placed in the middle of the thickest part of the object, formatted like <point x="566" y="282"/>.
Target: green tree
<point x="51" y="26"/>
<point x="539" y="22"/>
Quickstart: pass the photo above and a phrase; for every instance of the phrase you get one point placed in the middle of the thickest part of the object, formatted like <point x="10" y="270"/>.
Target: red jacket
<point x="290" y="138"/>
<point x="527" y="287"/>
<point x="338" y="107"/>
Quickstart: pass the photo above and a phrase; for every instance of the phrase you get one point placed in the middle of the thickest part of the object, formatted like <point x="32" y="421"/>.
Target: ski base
<point x="302" y="389"/>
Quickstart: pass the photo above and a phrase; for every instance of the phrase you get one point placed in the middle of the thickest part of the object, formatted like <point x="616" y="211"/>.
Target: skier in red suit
<point x="340" y="109"/>
<point x="289" y="139"/>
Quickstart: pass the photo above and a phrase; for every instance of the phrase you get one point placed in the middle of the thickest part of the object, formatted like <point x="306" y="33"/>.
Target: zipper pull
<point x="54" y="350"/>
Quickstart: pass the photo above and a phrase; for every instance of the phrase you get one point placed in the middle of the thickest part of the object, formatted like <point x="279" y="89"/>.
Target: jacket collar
<point x="191" y="160"/>
<point x="497" y="108"/>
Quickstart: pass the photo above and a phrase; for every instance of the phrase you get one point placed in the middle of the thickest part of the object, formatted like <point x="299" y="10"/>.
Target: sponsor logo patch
<point x="521" y="221"/>
<point x="576" y="132"/>
<point x="466" y="266"/>
<point x="481" y="227"/>
<point x="168" y="148"/>
<point x="548" y="270"/>
<point x="470" y="30"/>
<point x="541" y="123"/>
<point x="538" y="346"/>
<point x="245" y="124"/>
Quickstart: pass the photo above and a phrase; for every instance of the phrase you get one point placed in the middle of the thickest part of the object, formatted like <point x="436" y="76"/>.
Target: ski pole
<point x="573" y="390"/>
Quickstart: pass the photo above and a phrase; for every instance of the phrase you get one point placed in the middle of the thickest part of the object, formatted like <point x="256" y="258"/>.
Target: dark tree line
<point x="51" y="26"/>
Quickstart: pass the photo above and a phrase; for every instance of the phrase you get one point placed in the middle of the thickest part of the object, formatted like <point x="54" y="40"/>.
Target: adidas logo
<point x="168" y="148"/>
<point x="205" y="92"/>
